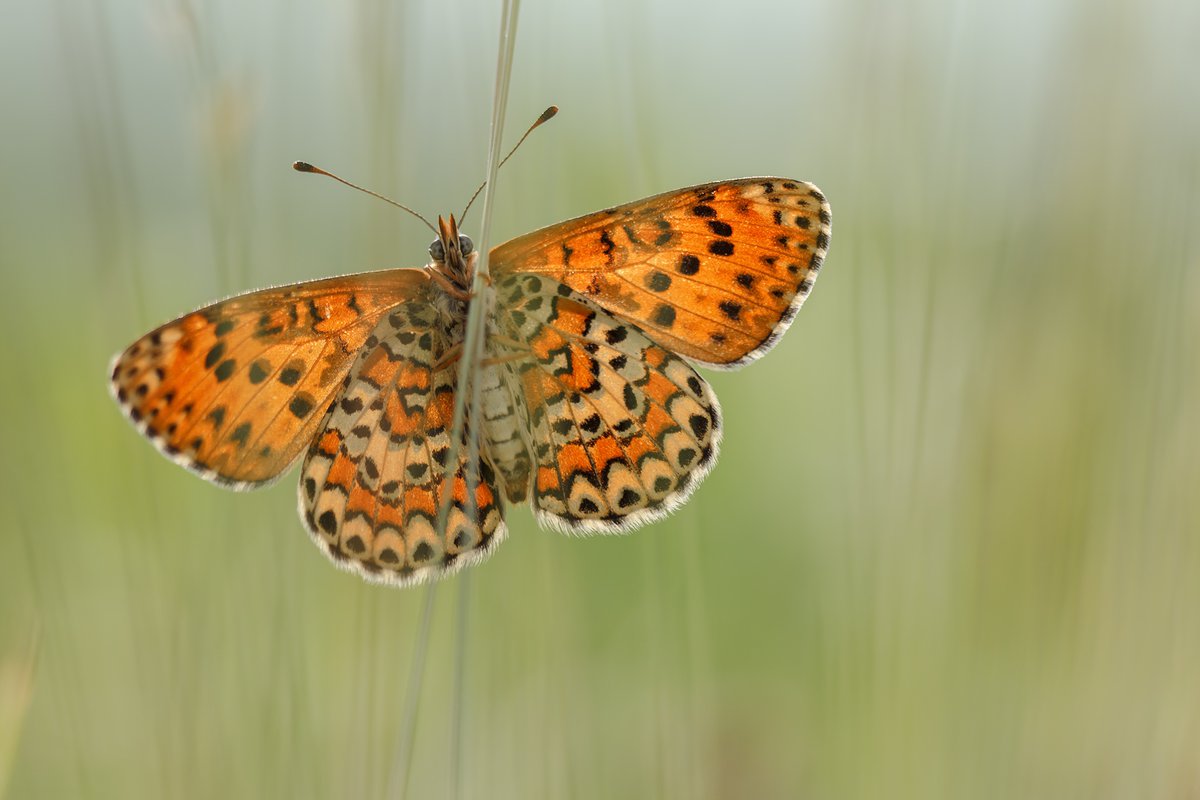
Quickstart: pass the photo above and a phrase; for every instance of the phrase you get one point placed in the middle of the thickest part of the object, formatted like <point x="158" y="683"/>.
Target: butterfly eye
<point x="465" y="245"/>
<point x="436" y="251"/>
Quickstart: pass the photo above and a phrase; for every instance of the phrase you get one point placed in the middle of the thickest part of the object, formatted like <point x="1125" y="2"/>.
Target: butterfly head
<point x="453" y="254"/>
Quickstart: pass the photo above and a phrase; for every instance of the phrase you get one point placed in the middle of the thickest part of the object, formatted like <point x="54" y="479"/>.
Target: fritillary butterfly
<point x="591" y="407"/>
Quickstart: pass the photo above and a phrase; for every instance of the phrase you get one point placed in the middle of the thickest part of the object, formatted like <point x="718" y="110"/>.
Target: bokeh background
<point x="950" y="549"/>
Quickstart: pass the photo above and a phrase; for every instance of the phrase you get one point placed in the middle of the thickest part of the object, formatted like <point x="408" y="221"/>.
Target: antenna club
<point x="546" y="115"/>
<point x="303" y="166"/>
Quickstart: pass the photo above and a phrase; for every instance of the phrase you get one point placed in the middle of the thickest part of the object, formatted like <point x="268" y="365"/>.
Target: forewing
<point x="373" y="479"/>
<point x="714" y="272"/>
<point x="621" y="430"/>
<point x="236" y="390"/>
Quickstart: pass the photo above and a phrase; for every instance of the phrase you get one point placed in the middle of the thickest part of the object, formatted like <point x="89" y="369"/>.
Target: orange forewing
<point x="713" y="272"/>
<point x="236" y="390"/>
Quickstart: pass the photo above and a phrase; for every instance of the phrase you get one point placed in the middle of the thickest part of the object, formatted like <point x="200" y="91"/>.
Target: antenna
<point x="546" y="116"/>
<point x="304" y="166"/>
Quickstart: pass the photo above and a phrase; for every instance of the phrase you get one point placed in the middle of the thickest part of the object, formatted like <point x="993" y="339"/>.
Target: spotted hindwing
<point x="372" y="482"/>
<point x="236" y="390"/>
<point x="621" y="430"/>
<point x="714" y="272"/>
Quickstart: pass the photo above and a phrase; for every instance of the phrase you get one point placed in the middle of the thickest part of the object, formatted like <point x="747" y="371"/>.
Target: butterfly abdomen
<point x="504" y="419"/>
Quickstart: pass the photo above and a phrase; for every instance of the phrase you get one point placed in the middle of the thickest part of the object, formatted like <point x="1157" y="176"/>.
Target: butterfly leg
<point x="510" y="344"/>
<point x="451" y="356"/>
<point x="492" y="362"/>
<point x="447" y="285"/>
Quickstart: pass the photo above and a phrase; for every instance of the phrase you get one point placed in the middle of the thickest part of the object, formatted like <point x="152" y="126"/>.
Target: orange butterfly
<point x="588" y="406"/>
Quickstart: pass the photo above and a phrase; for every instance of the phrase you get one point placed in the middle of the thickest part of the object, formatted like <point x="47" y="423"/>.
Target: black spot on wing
<point x="259" y="370"/>
<point x="657" y="281"/>
<point x="215" y="354"/>
<point x="290" y="374"/>
<point x="664" y="316"/>
<point x="301" y="405"/>
<point x="688" y="264"/>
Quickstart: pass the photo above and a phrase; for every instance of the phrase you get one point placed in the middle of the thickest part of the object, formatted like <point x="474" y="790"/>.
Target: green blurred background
<point x="950" y="548"/>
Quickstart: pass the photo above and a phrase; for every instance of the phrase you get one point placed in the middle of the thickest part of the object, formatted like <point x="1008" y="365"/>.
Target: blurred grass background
<point x="949" y="551"/>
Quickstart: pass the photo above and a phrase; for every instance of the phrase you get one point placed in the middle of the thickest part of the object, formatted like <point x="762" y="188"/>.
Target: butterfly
<point x="589" y="403"/>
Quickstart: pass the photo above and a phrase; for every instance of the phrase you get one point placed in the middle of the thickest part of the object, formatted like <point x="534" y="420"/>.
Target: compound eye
<point x="436" y="251"/>
<point x="465" y="245"/>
